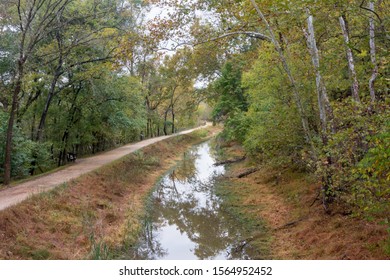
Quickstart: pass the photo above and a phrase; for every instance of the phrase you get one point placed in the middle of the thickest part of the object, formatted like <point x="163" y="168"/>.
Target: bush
<point x="360" y="152"/>
<point x="236" y="127"/>
<point x="372" y="175"/>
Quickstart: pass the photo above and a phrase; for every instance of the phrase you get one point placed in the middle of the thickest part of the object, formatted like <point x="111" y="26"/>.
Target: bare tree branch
<point x="251" y="34"/>
<point x="370" y="9"/>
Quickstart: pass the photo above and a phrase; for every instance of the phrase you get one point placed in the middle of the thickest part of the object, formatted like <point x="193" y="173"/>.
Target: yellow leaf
<point x="364" y="53"/>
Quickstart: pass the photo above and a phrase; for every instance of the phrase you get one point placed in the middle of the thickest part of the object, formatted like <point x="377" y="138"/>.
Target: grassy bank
<point x="296" y="225"/>
<point x="91" y="216"/>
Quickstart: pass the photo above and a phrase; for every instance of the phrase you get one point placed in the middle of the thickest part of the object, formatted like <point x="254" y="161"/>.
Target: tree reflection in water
<point x="186" y="220"/>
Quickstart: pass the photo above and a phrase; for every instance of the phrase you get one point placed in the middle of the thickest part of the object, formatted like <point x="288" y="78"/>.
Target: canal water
<point x="185" y="220"/>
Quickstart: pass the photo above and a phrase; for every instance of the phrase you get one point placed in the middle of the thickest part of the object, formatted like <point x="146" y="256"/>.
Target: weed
<point x="99" y="251"/>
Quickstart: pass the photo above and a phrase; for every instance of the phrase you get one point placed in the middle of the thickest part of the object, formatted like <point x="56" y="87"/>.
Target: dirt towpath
<point x="20" y="192"/>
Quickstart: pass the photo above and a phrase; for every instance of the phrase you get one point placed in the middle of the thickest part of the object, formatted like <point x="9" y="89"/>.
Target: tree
<point x="325" y="109"/>
<point x="79" y="39"/>
<point x="34" y="20"/>
<point x="178" y="74"/>
<point x="339" y="142"/>
<point x="372" y="54"/>
<point x="351" y="63"/>
<point x="60" y="47"/>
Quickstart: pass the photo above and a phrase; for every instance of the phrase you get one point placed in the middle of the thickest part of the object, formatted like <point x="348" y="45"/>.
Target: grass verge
<point x="296" y="228"/>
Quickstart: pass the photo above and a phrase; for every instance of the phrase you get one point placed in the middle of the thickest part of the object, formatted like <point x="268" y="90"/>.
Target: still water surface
<point x="185" y="220"/>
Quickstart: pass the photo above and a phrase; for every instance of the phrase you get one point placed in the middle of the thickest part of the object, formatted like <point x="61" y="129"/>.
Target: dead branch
<point x="251" y="34"/>
<point x="291" y="224"/>
<point x="247" y="172"/>
<point x="370" y="9"/>
<point x="230" y="161"/>
<point x="316" y="198"/>
<point x="244" y="242"/>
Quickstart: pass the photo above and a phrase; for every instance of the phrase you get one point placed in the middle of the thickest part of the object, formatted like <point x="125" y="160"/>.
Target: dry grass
<point x="297" y="230"/>
<point x="97" y="211"/>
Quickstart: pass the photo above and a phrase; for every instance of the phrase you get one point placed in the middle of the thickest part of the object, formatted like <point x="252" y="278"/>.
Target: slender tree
<point x="351" y="62"/>
<point x="372" y="54"/>
<point x="325" y="109"/>
<point x="297" y="94"/>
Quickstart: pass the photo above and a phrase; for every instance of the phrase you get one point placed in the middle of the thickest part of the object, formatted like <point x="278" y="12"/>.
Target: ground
<point x="298" y="227"/>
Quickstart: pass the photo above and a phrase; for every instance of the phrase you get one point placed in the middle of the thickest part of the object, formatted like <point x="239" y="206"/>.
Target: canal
<point x="185" y="219"/>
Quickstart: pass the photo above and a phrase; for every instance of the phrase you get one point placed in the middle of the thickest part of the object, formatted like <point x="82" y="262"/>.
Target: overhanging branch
<point x="251" y="34"/>
<point x="370" y="10"/>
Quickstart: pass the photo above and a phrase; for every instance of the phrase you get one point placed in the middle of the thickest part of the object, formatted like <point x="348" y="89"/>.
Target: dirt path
<point x="20" y="192"/>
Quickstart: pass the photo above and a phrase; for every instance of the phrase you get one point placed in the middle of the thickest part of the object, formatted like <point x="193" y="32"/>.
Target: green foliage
<point x="7" y="51"/>
<point x="360" y="152"/>
<point x="274" y="133"/>
<point x="28" y="154"/>
<point x="106" y="112"/>
<point x="231" y="104"/>
<point x="371" y="191"/>
<point x="231" y="99"/>
<point x="236" y="127"/>
<point x="351" y="157"/>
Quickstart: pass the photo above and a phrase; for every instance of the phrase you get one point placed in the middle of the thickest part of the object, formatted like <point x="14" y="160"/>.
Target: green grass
<point x="99" y="251"/>
<point x="40" y="254"/>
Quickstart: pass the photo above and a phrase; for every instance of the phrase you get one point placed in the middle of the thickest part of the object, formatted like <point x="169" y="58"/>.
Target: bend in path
<point x="20" y="192"/>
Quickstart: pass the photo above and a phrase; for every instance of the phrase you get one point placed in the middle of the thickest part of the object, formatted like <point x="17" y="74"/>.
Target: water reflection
<point x="186" y="221"/>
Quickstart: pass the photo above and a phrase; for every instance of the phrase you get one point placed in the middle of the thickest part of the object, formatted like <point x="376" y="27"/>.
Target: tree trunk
<point x="18" y="87"/>
<point x="325" y="109"/>
<point x="147" y="128"/>
<point x="62" y="155"/>
<point x="351" y="63"/>
<point x="43" y="118"/>
<point x="373" y="55"/>
<point x="173" y="120"/>
<point x="70" y="122"/>
<point x="151" y="128"/>
<point x="165" y="122"/>
<point x="8" y="144"/>
<point x="49" y="98"/>
<point x="32" y="133"/>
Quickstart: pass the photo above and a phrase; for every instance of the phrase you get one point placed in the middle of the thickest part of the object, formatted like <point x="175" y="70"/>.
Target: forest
<point x="299" y="84"/>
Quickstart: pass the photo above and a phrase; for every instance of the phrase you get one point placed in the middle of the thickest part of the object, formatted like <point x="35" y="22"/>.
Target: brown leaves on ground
<point x="300" y="231"/>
